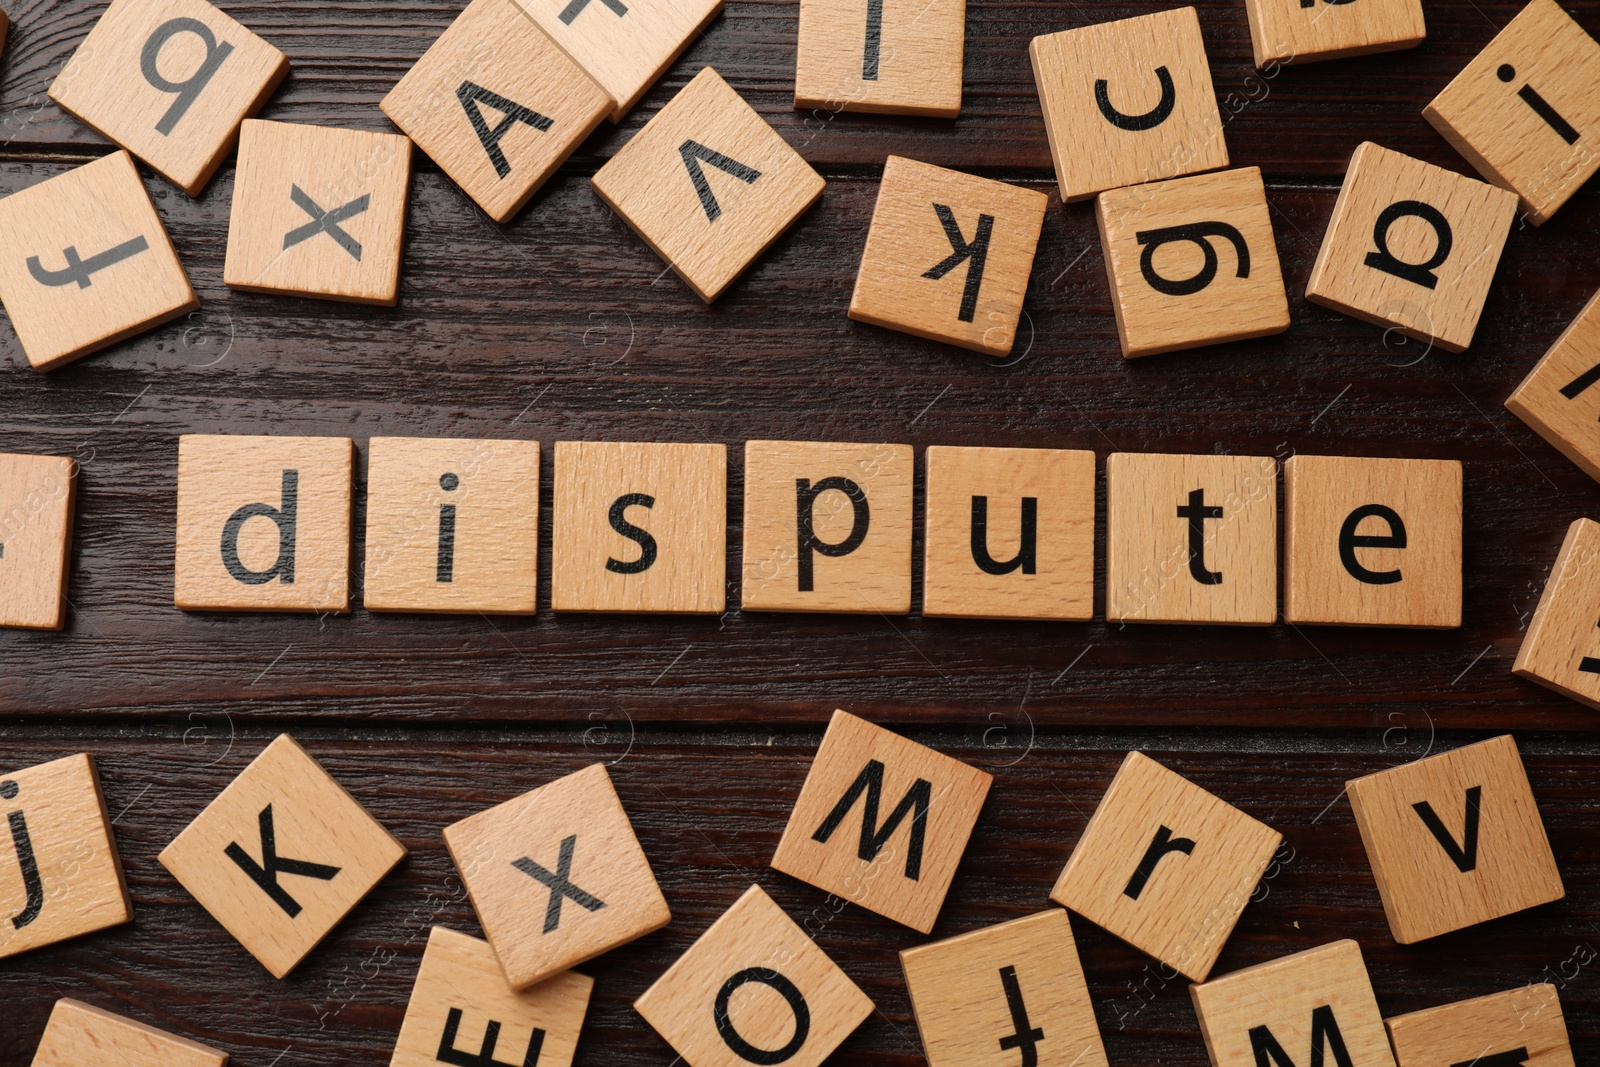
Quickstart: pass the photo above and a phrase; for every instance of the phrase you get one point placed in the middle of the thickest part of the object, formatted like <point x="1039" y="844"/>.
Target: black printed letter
<point x="1027" y="540"/>
<point x="873" y="837"/>
<point x="27" y="863"/>
<point x="445" y="567"/>
<point x="1134" y="123"/>
<point x="1325" y="1036"/>
<point x="283" y="517"/>
<point x="1197" y="511"/>
<point x="187" y="90"/>
<point x="805" y="495"/>
<point x="471" y="95"/>
<point x="1464" y="855"/>
<point x="1349" y="541"/>
<point x="1160" y="845"/>
<point x="620" y="523"/>
<point x="1418" y="273"/>
<point x="784" y="988"/>
<point x="1195" y="233"/>
<point x="1540" y="106"/>
<point x="976" y="250"/>
<point x="693" y="152"/>
<point x="265" y="874"/>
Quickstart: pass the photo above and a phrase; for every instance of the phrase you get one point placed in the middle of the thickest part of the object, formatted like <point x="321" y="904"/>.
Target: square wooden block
<point x="170" y="81"/>
<point x="882" y="821"/>
<point x="318" y="212"/>
<point x="1017" y="985"/>
<point x="1273" y="1011"/>
<point x="1128" y="102"/>
<point x="1558" y="398"/>
<point x="263" y="523"/>
<point x="1522" y="1026"/>
<point x="640" y="527"/>
<point x="36" y="497"/>
<point x="1562" y="647"/>
<point x="754" y="989"/>
<point x="1372" y="542"/>
<point x="93" y="265"/>
<point x="1191" y="538"/>
<point x="462" y="1011"/>
<point x="1192" y="262"/>
<point x="1010" y="534"/>
<point x="948" y="256"/>
<point x="59" y="871"/>
<point x="1294" y="31"/>
<point x="281" y="856"/>
<point x="497" y="105"/>
<point x="890" y="59"/>
<point x="1454" y="840"/>
<point x="827" y="527"/>
<point x="1412" y="246"/>
<point x="80" y="1035"/>
<point x="557" y="876"/>
<point x="452" y="525"/>
<point x="1521" y="110"/>
<point x="1166" y="866"/>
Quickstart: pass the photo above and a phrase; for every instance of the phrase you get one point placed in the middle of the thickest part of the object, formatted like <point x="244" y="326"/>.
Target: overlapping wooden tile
<point x="893" y="59"/>
<point x="1558" y="397"/>
<point x="36" y="497"/>
<point x="1296" y="31"/>
<point x="1520" y="1026"/>
<point x="81" y="1035"/>
<point x="1561" y="649"/>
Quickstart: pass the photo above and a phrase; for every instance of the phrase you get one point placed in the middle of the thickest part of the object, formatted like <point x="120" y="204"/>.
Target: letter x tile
<point x="281" y="856"/>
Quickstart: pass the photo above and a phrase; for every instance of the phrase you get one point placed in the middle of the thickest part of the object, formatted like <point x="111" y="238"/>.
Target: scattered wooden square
<point x="1520" y="1026"/>
<point x="1558" y="398"/>
<point x="80" y="1035"/>
<point x="1283" y="32"/>
<point x="1562" y="647"/>
<point x="892" y="59"/>
<point x="36" y="496"/>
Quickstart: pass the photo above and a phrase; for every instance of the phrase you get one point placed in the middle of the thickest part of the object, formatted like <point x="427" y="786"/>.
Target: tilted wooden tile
<point x="1192" y="262"/>
<point x="557" y="876"/>
<point x="1372" y="542"/>
<point x="118" y="275"/>
<point x="1454" y="840"/>
<point x="1166" y="866"/>
<point x="281" y="855"/>
<point x="827" y="527"/>
<point x="1561" y="649"/>
<point x="640" y="527"/>
<point x="170" y="81"/>
<point x="5" y="24"/>
<point x="1010" y="533"/>
<point x="1524" y="111"/>
<point x="900" y="866"/>
<point x="1191" y="538"/>
<point x="1558" y="397"/>
<point x="318" y="212"/>
<point x="36" y="498"/>
<point x="1296" y="31"/>
<point x="711" y="1008"/>
<point x="892" y="59"/>
<point x="462" y="1011"/>
<point x="1412" y="246"/>
<point x="263" y="523"/>
<point x="81" y="1035"/>
<point x="1520" y="1026"/>
<point x="452" y="525"/>
<point x="1017" y="985"/>
<point x="1128" y="102"/>
<point x="948" y="256"/>
<point x="497" y="105"/>
<point x="59" y="871"/>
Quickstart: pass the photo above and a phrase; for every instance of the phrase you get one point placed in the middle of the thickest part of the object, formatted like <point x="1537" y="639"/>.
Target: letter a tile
<point x="281" y="856"/>
<point x="882" y="821"/>
<point x="1521" y="1027"/>
<point x="80" y="1035"/>
<point x="1558" y="398"/>
<point x="36" y="495"/>
<point x="1562" y="646"/>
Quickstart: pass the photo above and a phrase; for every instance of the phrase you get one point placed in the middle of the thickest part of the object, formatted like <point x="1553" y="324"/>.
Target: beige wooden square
<point x="59" y="871"/>
<point x="1522" y="1025"/>
<point x="170" y="81"/>
<point x="1291" y="1009"/>
<point x="1191" y="538"/>
<point x="557" y="876"/>
<point x="754" y="989"/>
<point x="1292" y="31"/>
<point x="948" y="256"/>
<point x="882" y="821"/>
<point x="80" y="1035"/>
<point x="1562" y="647"/>
<point x="36" y="497"/>
<point x="708" y="184"/>
<point x="1412" y="246"/>
<point x="1558" y="398"/>
<point x="318" y="212"/>
<point x="92" y="264"/>
<point x="1017" y="985"/>
<point x="452" y="525"/>
<point x="263" y="523"/>
<point x="462" y="1011"/>
<point x="497" y="105"/>
<point x="281" y="856"/>
<point x="827" y="527"/>
<point x="1372" y="542"/>
<point x="892" y="59"/>
<point x="640" y="527"/>
<point x="1128" y="102"/>
<point x="1454" y="840"/>
<point x="1166" y="866"/>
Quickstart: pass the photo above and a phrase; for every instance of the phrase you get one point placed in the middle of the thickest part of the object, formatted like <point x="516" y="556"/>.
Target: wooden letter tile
<point x="36" y="494"/>
<point x="452" y="525"/>
<point x="754" y="989"/>
<point x="893" y="59"/>
<point x="1522" y="1025"/>
<point x="88" y="263"/>
<point x="318" y="212"/>
<point x="1372" y="542"/>
<point x="1558" y="398"/>
<point x="281" y="856"/>
<point x="80" y="1035"/>
<point x="59" y="872"/>
<point x="882" y="821"/>
<point x="948" y="256"/>
<point x="170" y="81"/>
<point x="263" y="523"/>
<point x="497" y="105"/>
<point x="1562" y="646"/>
<point x="640" y="527"/>
<point x="827" y="527"/>
<point x="557" y="876"/>
<point x="1191" y="538"/>
<point x="1017" y="985"/>
<point x="1192" y="262"/>
<point x="1294" y="31"/>
<point x="1128" y="102"/>
<point x="1412" y="246"/>
<point x="1454" y="840"/>
<point x="1166" y="866"/>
